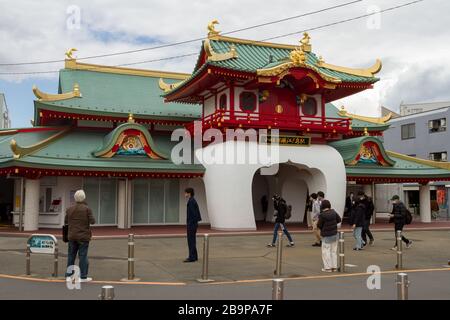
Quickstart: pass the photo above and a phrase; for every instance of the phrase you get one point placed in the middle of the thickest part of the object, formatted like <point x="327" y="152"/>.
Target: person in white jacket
<point x="315" y="212"/>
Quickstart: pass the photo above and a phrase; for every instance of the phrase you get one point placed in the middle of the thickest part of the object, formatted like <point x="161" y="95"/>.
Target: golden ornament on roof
<point x="70" y="52"/>
<point x="297" y="57"/>
<point x="212" y="29"/>
<point x="305" y="45"/>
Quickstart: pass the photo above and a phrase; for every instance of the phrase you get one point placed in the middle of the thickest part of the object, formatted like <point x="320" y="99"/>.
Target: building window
<point x="437" y="125"/>
<point x="408" y="131"/>
<point x="156" y="201"/>
<point x="310" y="107"/>
<point x="247" y="101"/>
<point x="101" y="197"/>
<point x="438" y="156"/>
<point x="223" y="102"/>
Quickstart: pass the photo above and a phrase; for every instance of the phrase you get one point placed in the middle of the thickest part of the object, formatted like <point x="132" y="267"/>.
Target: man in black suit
<point x="192" y="219"/>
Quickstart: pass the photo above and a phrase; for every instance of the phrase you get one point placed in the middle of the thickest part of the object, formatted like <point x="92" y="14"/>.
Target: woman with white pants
<point x="328" y="225"/>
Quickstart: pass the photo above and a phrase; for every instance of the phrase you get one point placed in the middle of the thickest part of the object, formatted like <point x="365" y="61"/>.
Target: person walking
<point x="398" y="216"/>
<point x="328" y="225"/>
<point x="192" y="218"/>
<point x="357" y="222"/>
<point x="368" y="203"/>
<point x="349" y="205"/>
<point x="316" y="203"/>
<point x="79" y="218"/>
<point x="280" y="207"/>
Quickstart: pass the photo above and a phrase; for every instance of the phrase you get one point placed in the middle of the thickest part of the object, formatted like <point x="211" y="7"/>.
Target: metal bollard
<point x="341" y="252"/>
<point x="205" y="260"/>
<point x="402" y="286"/>
<point x="279" y="253"/>
<point x="399" y="250"/>
<point x="131" y="275"/>
<point x="277" y="289"/>
<point x="107" y="293"/>
<point x="28" y="260"/>
<point x="55" y="271"/>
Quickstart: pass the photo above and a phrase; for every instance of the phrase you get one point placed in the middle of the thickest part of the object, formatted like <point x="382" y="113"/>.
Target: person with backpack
<point x="368" y="203"/>
<point x="400" y="216"/>
<point x="357" y="222"/>
<point x="328" y="225"/>
<point x="282" y="212"/>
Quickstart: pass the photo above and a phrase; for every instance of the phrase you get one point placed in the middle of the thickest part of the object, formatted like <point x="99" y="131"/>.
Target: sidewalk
<point x="263" y="228"/>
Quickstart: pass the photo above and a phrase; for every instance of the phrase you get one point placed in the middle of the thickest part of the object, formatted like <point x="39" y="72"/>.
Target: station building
<point x="109" y="130"/>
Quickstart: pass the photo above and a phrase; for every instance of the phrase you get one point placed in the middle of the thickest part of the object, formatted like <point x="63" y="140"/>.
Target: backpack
<point x="408" y="216"/>
<point x="288" y="212"/>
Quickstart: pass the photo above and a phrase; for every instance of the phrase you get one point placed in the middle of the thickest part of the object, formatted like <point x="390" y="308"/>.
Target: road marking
<point x="329" y="276"/>
<point x="6" y="276"/>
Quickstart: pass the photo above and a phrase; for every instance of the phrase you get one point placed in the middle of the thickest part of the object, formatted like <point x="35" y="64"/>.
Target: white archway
<point x="229" y="186"/>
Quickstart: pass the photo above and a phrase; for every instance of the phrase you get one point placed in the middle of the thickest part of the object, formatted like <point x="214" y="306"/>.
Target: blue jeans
<point x="357" y="235"/>
<point x="275" y="232"/>
<point x="80" y="247"/>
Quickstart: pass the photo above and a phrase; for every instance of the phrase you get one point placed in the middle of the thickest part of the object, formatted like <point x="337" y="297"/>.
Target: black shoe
<point x="189" y="260"/>
<point x="317" y="244"/>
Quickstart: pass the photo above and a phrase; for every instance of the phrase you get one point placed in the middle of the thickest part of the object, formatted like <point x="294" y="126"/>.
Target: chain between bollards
<point x="279" y="253"/>
<point x="341" y="252"/>
<point x="107" y="293"/>
<point x="399" y="250"/>
<point x="277" y="289"/>
<point x="402" y="286"/>
<point x="205" y="268"/>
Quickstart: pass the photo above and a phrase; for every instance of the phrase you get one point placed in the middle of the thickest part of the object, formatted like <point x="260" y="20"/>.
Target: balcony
<point x="238" y="119"/>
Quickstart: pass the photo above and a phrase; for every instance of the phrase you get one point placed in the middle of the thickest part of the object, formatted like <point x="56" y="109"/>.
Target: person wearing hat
<point x="398" y="216"/>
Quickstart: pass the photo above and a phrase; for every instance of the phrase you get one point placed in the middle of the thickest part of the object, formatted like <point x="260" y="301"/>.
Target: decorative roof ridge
<point x="431" y="163"/>
<point x="19" y="151"/>
<point x="72" y="64"/>
<point x="367" y="72"/>
<point x="42" y="96"/>
<point x="380" y="121"/>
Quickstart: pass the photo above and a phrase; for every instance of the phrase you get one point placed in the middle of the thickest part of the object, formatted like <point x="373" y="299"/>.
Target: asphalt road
<point x="428" y="285"/>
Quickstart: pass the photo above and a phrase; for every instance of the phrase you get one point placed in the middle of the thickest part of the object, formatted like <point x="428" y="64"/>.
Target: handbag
<point x="65" y="233"/>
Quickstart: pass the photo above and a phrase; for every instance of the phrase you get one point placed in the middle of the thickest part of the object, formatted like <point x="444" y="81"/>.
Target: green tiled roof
<point x="75" y="151"/>
<point x="357" y="125"/>
<point x="112" y="94"/>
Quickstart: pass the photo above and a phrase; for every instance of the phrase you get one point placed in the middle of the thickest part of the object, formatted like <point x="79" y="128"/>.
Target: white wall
<point x="209" y="106"/>
<point x="200" y="196"/>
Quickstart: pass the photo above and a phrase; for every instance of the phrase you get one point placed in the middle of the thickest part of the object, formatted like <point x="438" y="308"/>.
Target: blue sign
<point x="42" y="243"/>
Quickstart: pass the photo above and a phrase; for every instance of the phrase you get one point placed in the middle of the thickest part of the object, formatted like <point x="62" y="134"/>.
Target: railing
<point x="239" y="119"/>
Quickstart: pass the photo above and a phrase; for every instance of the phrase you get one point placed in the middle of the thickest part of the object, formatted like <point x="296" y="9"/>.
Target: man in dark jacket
<point x="280" y="207"/>
<point x="79" y="218"/>
<point x="357" y="222"/>
<point x="398" y="216"/>
<point x="192" y="218"/>
<point x="368" y="203"/>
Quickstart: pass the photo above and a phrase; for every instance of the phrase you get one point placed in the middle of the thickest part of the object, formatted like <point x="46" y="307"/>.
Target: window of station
<point x="438" y="156"/>
<point x="408" y="131"/>
<point x="309" y="108"/>
<point x="437" y="125"/>
<point x="247" y="101"/>
<point x="223" y="102"/>
<point x="101" y="197"/>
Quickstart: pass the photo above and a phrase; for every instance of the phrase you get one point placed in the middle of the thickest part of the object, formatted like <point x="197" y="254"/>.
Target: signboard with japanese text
<point x="42" y="243"/>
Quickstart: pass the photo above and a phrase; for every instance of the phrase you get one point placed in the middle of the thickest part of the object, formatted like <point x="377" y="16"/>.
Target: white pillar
<point x="31" y="210"/>
<point x="425" y="205"/>
<point x="121" y="205"/>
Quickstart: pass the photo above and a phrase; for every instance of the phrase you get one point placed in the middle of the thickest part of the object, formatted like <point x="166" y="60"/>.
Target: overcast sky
<point x="413" y="42"/>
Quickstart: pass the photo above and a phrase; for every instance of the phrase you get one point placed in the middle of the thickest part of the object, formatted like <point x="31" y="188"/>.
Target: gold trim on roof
<point x="166" y="87"/>
<point x="214" y="56"/>
<point x="74" y="65"/>
<point x="8" y="132"/>
<point x="19" y="151"/>
<point x="305" y="45"/>
<point x="70" y="52"/>
<point x="212" y="32"/>
<point x="431" y="163"/>
<point x="42" y="96"/>
<point x="380" y="121"/>
<point x="369" y="72"/>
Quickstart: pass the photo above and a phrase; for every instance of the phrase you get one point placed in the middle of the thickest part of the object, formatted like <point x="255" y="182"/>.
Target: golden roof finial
<point x="305" y="45"/>
<point x="212" y="29"/>
<point x="69" y="53"/>
<point x="366" y="132"/>
<point x="298" y="57"/>
<point x="130" y="118"/>
<point x="320" y="62"/>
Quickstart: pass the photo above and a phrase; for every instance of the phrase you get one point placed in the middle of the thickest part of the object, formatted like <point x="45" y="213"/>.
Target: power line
<point x="271" y="38"/>
<point x="186" y="41"/>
